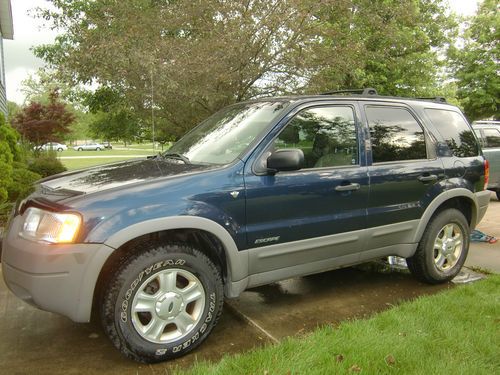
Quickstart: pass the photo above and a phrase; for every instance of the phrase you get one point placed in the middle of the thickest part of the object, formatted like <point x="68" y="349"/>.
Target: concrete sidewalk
<point x="481" y="254"/>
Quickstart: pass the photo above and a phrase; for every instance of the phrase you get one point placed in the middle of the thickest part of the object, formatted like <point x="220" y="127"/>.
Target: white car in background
<point x="52" y="146"/>
<point x="89" y="147"/>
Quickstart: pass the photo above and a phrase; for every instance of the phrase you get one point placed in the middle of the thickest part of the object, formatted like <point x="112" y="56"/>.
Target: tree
<point x="112" y="118"/>
<point x="396" y="46"/>
<point x="476" y="64"/>
<point x="188" y="59"/>
<point x="41" y="123"/>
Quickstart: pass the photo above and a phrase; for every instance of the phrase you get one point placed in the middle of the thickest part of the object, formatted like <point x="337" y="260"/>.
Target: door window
<point x="492" y="137"/>
<point x="395" y="135"/>
<point x="326" y="135"/>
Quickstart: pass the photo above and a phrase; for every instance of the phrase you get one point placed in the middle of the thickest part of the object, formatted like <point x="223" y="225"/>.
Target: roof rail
<point x="438" y="99"/>
<point x="365" y="92"/>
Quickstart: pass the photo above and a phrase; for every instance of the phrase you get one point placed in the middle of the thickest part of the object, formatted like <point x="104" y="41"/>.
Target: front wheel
<point x="80" y="149"/>
<point x="162" y="302"/>
<point x="443" y="248"/>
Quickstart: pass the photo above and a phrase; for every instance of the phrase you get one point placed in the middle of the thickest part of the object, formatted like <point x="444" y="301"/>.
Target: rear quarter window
<point x="455" y="131"/>
<point x="492" y="138"/>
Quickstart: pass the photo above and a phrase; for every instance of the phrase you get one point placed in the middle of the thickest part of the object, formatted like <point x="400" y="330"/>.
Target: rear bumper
<point x="483" y="200"/>
<point x="56" y="278"/>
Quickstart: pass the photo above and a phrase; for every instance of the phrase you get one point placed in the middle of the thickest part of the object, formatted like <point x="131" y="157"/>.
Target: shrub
<point x="22" y="182"/>
<point x="46" y="165"/>
<point x="7" y="139"/>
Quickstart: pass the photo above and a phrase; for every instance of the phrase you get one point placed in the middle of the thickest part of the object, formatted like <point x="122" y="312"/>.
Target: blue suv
<point x="261" y="191"/>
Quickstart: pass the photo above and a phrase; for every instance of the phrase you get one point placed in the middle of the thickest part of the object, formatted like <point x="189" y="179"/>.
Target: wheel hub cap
<point x="448" y="247"/>
<point x="169" y="305"/>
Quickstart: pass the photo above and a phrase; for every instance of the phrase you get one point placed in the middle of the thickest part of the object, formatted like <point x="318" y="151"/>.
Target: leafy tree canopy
<point x="476" y="64"/>
<point x="186" y="59"/>
<point x="41" y="123"/>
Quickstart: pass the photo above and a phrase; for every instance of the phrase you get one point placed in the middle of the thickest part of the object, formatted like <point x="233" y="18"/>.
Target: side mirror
<point x="290" y="159"/>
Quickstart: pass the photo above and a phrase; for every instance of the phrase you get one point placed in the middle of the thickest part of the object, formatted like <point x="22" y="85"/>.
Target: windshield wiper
<point x="174" y="155"/>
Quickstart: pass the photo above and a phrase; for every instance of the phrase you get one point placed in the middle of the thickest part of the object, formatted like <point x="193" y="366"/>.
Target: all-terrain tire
<point x="121" y="321"/>
<point x="423" y="263"/>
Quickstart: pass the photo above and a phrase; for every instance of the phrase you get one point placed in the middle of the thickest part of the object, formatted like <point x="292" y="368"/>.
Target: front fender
<point x="237" y="261"/>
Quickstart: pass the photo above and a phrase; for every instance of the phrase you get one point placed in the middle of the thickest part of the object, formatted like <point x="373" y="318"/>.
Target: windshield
<point x="225" y="135"/>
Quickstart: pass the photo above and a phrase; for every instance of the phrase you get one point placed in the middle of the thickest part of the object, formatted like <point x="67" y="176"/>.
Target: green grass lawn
<point x="72" y="164"/>
<point x="98" y="157"/>
<point x="454" y="332"/>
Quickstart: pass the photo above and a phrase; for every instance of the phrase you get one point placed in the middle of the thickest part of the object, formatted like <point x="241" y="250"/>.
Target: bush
<point x="7" y="139"/>
<point x="22" y="182"/>
<point x="46" y="165"/>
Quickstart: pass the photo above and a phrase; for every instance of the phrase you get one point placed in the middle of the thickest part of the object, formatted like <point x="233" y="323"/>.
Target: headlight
<point x="51" y="227"/>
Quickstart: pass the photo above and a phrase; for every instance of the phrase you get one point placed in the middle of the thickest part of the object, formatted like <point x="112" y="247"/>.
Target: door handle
<point x="427" y="178"/>
<point x="348" y="187"/>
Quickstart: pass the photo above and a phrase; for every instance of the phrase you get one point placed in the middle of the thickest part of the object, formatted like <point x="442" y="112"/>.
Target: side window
<point x="326" y="135"/>
<point x="455" y="131"/>
<point x="395" y="135"/>
<point x="479" y="136"/>
<point x="492" y="137"/>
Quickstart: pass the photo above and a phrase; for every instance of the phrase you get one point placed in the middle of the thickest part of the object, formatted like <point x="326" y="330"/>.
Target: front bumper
<point x="56" y="278"/>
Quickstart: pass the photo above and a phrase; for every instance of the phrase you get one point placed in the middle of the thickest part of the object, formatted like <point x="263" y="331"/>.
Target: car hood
<point x="109" y="176"/>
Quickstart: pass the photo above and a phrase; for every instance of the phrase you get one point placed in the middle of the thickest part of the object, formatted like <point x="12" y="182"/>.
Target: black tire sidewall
<point x="132" y="277"/>
<point x="450" y="216"/>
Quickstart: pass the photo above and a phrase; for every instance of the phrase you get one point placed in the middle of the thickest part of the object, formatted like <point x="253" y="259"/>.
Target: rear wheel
<point x="162" y="303"/>
<point x="443" y="248"/>
<point x="59" y="149"/>
<point x="80" y="149"/>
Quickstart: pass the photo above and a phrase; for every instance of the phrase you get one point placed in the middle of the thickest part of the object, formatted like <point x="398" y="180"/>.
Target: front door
<point x="326" y="197"/>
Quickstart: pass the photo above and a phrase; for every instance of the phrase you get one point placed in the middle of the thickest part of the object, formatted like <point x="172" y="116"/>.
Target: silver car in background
<point x="488" y="133"/>
<point x="89" y="147"/>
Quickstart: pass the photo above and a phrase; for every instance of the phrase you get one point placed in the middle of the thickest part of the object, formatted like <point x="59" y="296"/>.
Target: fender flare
<point x="237" y="261"/>
<point x="438" y="201"/>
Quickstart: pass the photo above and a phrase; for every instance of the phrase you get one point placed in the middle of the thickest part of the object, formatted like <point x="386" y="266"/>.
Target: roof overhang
<point x="6" y="24"/>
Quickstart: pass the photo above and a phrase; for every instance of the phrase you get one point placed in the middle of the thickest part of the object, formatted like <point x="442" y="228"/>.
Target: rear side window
<point x="492" y="137"/>
<point x="456" y="132"/>
<point x="395" y="135"/>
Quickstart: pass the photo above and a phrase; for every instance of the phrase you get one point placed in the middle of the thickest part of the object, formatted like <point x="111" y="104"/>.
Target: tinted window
<point x="455" y="131"/>
<point x="395" y="135"/>
<point x="326" y="135"/>
<point x="492" y="137"/>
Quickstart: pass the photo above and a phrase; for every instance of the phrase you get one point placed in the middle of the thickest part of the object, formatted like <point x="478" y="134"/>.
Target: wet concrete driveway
<point x="37" y="342"/>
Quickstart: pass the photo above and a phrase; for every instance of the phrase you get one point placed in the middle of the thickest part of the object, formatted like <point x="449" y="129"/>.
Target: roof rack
<point x="366" y="92"/>
<point x="438" y="99"/>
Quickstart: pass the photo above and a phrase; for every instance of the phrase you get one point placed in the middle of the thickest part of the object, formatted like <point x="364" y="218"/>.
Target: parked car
<point x="259" y="192"/>
<point x="89" y="147"/>
<point x="108" y="145"/>
<point x="488" y="133"/>
<point x="53" y="146"/>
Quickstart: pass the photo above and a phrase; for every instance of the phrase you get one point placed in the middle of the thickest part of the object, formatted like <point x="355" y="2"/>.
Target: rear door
<point x="404" y="173"/>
